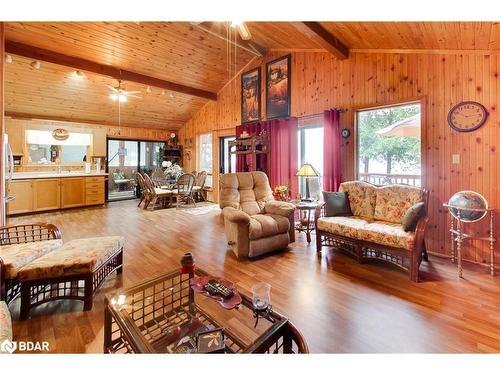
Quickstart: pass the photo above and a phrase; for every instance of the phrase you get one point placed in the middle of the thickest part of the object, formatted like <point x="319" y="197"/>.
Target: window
<point x="73" y="154"/>
<point x="226" y="165"/>
<point x="389" y="148"/>
<point x="310" y="150"/>
<point x="45" y="149"/>
<point x="205" y="156"/>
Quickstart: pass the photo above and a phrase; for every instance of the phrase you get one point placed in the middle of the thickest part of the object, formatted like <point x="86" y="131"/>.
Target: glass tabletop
<point x="165" y="314"/>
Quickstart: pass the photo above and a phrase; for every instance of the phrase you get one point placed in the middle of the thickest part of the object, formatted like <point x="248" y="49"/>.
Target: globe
<point x="466" y="200"/>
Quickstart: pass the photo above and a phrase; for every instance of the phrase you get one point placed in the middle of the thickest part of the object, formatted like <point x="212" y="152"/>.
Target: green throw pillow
<point x="411" y="217"/>
<point x="336" y="204"/>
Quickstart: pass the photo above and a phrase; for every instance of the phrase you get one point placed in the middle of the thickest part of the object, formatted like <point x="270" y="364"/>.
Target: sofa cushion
<point x="343" y="226"/>
<point x="389" y="234"/>
<point x="393" y="201"/>
<point x="267" y="225"/>
<point x="362" y="197"/>
<point x="73" y="258"/>
<point x="336" y="204"/>
<point x="5" y="323"/>
<point x="410" y="218"/>
<point x="17" y="256"/>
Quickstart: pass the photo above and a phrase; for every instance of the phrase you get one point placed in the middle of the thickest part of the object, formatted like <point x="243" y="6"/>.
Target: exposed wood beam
<point x="174" y="124"/>
<point x="36" y="53"/>
<point x="426" y="51"/>
<point x="215" y="30"/>
<point x="322" y="37"/>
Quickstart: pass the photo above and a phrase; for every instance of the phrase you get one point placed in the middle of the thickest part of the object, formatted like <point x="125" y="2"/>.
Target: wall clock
<point x="345" y="133"/>
<point x="467" y="116"/>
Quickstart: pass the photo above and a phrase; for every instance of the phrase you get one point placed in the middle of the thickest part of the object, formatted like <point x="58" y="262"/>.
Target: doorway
<point x="124" y="159"/>
<point x="226" y="164"/>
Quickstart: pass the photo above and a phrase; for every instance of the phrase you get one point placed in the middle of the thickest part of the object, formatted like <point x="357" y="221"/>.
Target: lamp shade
<point x="307" y="170"/>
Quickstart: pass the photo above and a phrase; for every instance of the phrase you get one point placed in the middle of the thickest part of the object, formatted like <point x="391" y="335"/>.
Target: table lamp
<point x="307" y="171"/>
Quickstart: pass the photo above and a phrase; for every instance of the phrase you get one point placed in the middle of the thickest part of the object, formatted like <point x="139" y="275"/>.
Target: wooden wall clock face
<point x="467" y="116"/>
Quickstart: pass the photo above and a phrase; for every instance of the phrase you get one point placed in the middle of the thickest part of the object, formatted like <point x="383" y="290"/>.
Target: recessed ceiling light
<point x="36" y="64"/>
<point x="8" y="59"/>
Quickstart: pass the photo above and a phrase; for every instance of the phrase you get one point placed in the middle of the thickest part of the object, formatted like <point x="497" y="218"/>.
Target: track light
<point x="8" y="59"/>
<point x="149" y="90"/>
<point x="36" y="64"/>
<point x="171" y="95"/>
<point x="163" y="92"/>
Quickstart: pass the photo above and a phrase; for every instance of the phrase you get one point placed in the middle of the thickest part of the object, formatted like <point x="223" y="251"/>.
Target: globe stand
<point x="458" y="236"/>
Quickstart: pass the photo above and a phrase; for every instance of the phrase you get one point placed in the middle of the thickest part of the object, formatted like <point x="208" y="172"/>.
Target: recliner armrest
<point x="235" y="216"/>
<point x="279" y="208"/>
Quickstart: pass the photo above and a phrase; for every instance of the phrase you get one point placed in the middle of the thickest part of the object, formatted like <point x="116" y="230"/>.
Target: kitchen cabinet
<point x="72" y="192"/>
<point x="94" y="190"/>
<point x="22" y="191"/>
<point x="15" y="131"/>
<point x="99" y="142"/>
<point x="46" y="194"/>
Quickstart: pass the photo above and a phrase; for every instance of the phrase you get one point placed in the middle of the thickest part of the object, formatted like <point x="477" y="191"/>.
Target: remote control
<point x="214" y="287"/>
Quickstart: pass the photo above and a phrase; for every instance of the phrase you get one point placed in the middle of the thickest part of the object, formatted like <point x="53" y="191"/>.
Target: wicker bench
<point x="73" y="271"/>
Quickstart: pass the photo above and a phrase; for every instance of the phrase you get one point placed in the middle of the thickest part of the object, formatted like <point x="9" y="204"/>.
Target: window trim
<point x="396" y="103"/>
<point x="198" y="158"/>
<point x="302" y="160"/>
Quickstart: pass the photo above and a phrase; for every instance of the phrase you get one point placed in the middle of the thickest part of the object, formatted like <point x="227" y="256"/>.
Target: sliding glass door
<point x="127" y="157"/>
<point x="226" y="164"/>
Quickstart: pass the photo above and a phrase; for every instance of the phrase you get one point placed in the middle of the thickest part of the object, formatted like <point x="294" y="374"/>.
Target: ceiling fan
<point x="120" y="94"/>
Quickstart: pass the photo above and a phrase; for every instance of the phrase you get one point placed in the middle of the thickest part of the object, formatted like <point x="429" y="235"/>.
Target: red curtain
<point x="331" y="150"/>
<point x="284" y="154"/>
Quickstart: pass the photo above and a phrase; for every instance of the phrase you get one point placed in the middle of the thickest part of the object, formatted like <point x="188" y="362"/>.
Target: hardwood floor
<point x="338" y="304"/>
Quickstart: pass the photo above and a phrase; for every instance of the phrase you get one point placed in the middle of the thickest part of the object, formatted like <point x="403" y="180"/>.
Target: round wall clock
<point x="345" y="133"/>
<point x="467" y="116"/>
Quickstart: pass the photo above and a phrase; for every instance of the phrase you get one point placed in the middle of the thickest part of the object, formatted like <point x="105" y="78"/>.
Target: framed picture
<point x="278" y="87"/>
<point x="250" y="96"/>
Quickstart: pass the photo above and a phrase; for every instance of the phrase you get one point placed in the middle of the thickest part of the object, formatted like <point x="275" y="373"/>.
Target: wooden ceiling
<point x="182" y="53"/>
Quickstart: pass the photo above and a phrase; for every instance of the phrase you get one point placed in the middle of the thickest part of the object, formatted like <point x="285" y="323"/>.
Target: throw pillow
<point x="336" y="204"/>
<point x="411" y="217"/>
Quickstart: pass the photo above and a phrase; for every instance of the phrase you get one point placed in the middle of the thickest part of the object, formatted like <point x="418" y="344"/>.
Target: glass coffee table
<point x="152" y="317"/>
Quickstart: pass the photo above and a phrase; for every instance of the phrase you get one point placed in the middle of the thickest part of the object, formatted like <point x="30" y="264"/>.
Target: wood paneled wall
<point x="368" y="79"/>
<point x="123" y="132"/>
<point x="2" y="125"/>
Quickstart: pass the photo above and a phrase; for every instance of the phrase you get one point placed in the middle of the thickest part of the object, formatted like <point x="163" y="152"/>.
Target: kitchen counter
<point x="37" y="175"/>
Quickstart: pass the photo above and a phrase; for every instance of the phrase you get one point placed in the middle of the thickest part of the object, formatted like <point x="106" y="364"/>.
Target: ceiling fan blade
<point x="112" y="88"/>
<point x="134" y="96"/>
<point x="244" y="31"/>
<point x="131" y="92"/>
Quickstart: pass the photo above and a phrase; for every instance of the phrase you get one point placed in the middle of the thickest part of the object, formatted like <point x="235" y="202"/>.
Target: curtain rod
<point x="341" y="110"/>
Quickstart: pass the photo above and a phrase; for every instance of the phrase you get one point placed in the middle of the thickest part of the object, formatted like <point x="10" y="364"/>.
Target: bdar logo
<point x="8" y="346"/>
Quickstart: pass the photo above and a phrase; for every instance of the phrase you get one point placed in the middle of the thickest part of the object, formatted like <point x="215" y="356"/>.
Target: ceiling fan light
<point x="122" y="98"/>
<point x="244" y="32"/>
<point x="113" y="97"/>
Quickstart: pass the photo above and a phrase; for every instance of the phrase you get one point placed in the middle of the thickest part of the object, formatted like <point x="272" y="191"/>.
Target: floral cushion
<point x="393" y="201"/>
<point x="347" y="226"/>
<point x="18" y="255"/>
<point x="379" y="232"/>
<point x="5" y="323"/>
<point x="73" y="258"/>
<point x="388" y="234"/>
<point x="362" y="197"/>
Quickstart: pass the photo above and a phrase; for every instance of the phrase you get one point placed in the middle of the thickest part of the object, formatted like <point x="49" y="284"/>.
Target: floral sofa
<point x="5" y="323"/>
<point x="375" y="228"/>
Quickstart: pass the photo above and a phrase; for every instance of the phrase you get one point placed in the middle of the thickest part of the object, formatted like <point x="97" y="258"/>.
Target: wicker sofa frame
<point x="38" y="291"/>
<point x="408" y="260"/>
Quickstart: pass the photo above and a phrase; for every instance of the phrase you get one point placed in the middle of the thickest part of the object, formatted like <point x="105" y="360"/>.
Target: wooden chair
<point x="199" y="184"/>
<point x="184" y="189"/>
<point x="158" y="178"/>
<point x="145" y="196"/>
<point x="156" y="194"/>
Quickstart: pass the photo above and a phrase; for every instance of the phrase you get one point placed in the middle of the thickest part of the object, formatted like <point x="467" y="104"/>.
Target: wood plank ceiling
<point x="184" y="54"/>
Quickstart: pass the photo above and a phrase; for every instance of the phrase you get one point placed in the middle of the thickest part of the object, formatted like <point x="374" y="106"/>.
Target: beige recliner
<point x="254" y="222"/>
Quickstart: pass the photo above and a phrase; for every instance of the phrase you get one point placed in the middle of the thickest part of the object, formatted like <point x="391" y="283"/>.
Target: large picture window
<point x="310" y="150"/>
<point x="205" y="156"/>
<point x="388" y="144"/>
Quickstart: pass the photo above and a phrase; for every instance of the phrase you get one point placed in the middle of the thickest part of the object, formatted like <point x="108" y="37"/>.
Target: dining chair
<point x="145" y="195"/>
<point x="184" y="189"/>
<point x="199" y="184"/>
<point x="158" y="177"/>
<point x="157" y="194"/>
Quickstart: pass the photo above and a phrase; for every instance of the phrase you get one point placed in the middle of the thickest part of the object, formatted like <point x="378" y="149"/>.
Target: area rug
<point x="205" y="209"/>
